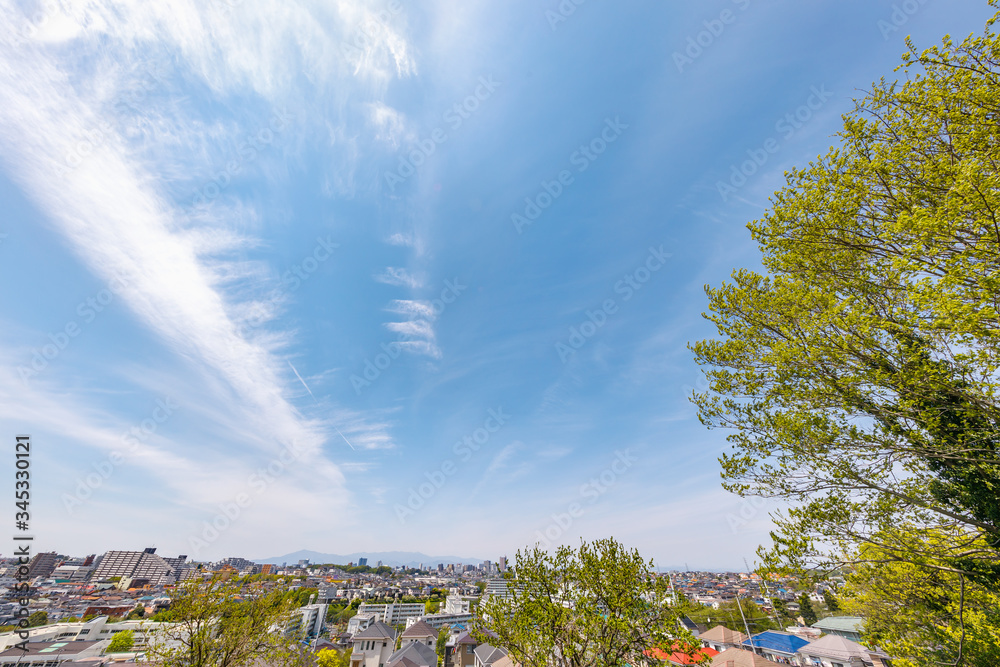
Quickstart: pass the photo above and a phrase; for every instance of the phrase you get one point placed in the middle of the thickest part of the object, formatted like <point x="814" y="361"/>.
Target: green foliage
<point x="921" y="615"/>
<point x="331" y="658"/>
<point x="730" y="614"/>
<point x="806" y="610"/>
<point x="832" y="603"/>
<point x="439" y="646"/>
<point x="223" y="623"/>
<point x="38" y="618"/>
<point x="599" y="606"/>
<point x="860" y="373"/>
<point x="121" y="642"/>
<point x="432" y="606"/>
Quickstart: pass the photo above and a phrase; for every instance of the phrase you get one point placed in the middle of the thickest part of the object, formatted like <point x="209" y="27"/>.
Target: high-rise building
<point x="362" y="562"/>
<point x="502" y="564"/>
<point x="43" y="564"/>
<point x="139" y="565"/>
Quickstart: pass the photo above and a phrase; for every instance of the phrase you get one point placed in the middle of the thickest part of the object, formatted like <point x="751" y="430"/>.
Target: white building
<point x="372" y="646"/>
<point x="456" y="604"/>
<point x="396" y="613"/>
<point x="93" y="630"/>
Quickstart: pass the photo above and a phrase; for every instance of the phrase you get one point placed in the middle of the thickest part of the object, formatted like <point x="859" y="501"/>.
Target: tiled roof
<point x="377" y="630"/>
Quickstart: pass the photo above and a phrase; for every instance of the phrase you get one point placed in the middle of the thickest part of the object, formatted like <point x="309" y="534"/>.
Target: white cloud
<point x="398" y="277"/>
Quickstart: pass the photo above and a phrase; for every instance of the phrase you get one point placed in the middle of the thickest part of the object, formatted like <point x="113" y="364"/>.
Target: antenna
<point x="767" y="595"/>
<point x="753" y="646"/>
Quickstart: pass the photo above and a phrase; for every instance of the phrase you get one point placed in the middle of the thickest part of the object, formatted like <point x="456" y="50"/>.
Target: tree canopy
<point x="859" y="371"/>
<point x="599" y="606"/>
<point x="222" y="623"/>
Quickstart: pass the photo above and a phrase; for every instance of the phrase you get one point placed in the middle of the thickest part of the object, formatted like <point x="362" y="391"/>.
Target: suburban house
<point x="489" y="656"/>
<point x="413" y="654"/>
<point x="461" y="651"/>
<point x="372" y="646"/>
<point x="837" y="651"/>
<point x="420" y="633"/>
<point x="848" y="627"/>
<point x="777" y="646"/>
<point x="721" y="638"/>
<point x="735" y="657"/>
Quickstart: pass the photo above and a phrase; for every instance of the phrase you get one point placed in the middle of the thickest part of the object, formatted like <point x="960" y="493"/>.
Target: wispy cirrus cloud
<point x="399" y="277"/>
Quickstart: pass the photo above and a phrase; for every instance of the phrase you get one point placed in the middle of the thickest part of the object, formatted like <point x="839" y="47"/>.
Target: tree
<point x="860" y="372"/>
<point x="806" y="610"/>
<point x="331" y="658"/>
<point x="440" y="645"/>
<point x="600" y="605"/>
<point x="832" y="603"/>
<point x="121" y="642"/>
<point x="224" y="623"/>
<point x="924" y="616"/>
<point x="38" y="618"/>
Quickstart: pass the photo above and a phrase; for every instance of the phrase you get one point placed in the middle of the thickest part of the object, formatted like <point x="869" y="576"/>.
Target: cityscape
<point x="520" y="333"/>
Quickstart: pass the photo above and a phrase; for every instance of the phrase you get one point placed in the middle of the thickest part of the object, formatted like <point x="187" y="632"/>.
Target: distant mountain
<point x="391" y="558"/>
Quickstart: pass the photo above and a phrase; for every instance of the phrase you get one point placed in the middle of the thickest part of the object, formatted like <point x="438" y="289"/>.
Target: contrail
<point x="314" y="398"/>
<point x="301" y="380"/>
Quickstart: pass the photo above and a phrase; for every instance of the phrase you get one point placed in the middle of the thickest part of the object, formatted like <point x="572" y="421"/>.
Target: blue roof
<point x="777" y="641"/>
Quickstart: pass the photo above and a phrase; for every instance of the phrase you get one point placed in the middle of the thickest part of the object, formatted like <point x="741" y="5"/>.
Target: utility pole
<point x="753" y="646"/>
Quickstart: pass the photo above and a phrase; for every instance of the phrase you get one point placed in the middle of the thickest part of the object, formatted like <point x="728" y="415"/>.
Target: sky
<point x="374" y="275"/>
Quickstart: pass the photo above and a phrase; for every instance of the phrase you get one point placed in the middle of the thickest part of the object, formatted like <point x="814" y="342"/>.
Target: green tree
<point x="832" y="603"/>
<point x="38" y="618"/>
<point x="439" y="647"/>
<point x="121" y="642"/>
<point x="923" y="616"/>
<point x="599" y="606"/>
<point x="806" y="610"/>
<point x="331" y="658"/>
<point x="224" y="623"/>
<point x="860" y="371"/>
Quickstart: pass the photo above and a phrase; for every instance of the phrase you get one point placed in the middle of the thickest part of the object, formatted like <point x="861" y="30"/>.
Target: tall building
<point x="143" y="564"/>
<point x="502" y="564"/>
<point x="43" y="564"/>
<point x="362" y="562"/>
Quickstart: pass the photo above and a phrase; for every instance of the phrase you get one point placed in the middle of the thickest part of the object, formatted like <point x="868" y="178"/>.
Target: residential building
<point x="776" y="646"/>
<point x="50" y="654"/>
<point x="438" y="621"/>
<point x="373" y="646"/>
<point x="138" y="565"/>
<point x="360" y="622"/>
<point x="419" y="632"/>
<point x="455" y="604"/>
<point x="396" y="613"/>
<point x="848" y="627"/>
<point x="721" y="638"/>
<point x="413" y="654"/>
<point x="461" y="651"/>
<point x="43" y="564"/>
<point x="837" y="651"/>
<point x="488" y="656"/>
<point x="735" y="657"/>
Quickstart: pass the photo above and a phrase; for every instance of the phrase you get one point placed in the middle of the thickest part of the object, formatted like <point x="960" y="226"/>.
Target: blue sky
<point x="372" y="275"/>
